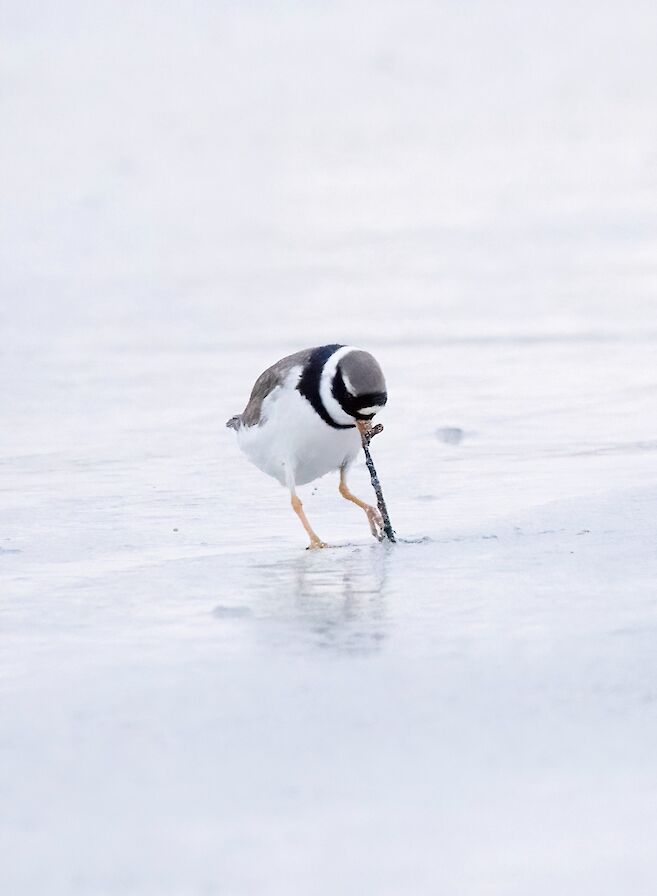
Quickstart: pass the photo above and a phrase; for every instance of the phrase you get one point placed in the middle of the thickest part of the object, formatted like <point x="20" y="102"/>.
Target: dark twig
<point x="367" y="433"/>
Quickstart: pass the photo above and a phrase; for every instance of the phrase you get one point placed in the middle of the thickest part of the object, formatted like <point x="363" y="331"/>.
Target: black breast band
<point x="309" y="381"/>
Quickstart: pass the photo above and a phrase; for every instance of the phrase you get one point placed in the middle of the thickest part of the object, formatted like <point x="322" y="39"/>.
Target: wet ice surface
<point x="190" y="702"/>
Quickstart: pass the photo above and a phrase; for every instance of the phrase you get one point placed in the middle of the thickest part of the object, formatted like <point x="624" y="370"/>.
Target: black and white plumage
<point x="302" y="419"/>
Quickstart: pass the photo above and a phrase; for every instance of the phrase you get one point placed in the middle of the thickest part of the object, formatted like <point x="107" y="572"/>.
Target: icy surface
<point x="189" y="702"/>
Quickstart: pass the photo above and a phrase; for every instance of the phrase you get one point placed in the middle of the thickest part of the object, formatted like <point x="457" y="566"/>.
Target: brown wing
<point x="265" y="384"/>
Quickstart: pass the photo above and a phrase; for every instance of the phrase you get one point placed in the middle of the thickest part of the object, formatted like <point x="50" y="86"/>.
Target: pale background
<point x="189" y="702"/>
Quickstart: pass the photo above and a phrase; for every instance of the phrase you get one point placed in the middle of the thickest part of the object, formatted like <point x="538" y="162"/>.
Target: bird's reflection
<point x="334" y="598"/>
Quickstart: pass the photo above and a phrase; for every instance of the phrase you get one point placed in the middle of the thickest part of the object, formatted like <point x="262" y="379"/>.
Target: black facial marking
<point x="351" y="404"/>
<point x="308" y="384"/>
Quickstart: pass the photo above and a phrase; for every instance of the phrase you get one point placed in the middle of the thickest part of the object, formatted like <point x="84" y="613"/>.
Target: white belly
<point x="294" y="445"/>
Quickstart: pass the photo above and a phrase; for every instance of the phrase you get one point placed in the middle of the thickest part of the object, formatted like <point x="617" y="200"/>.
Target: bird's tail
<point x="234" y="422"/>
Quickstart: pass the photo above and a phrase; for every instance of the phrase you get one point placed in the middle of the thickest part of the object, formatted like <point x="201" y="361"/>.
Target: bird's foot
<point x="375" y="520"/>
<point x="316" y="544"/>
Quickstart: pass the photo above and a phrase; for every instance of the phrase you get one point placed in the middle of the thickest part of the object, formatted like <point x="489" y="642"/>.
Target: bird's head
<point x="359" y="386"/>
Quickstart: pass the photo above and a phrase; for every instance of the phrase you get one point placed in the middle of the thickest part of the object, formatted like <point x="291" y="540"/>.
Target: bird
<point x="304" y="419"/>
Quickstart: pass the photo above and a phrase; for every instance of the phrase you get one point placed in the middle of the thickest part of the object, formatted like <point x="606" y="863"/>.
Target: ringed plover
<point x="303" y="420"/>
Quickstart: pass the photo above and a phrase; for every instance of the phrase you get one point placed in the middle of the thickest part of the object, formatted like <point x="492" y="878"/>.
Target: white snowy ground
<point x="189" y="702"/>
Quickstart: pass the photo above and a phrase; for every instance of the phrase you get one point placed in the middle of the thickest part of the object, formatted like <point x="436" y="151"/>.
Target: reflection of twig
<point x="367" y="433"/>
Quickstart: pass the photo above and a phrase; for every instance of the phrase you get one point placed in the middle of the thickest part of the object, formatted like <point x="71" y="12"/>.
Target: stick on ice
<point x="367" y="433"/>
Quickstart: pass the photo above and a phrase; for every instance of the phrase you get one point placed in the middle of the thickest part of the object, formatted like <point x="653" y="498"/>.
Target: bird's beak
<point x="367" y="431"/>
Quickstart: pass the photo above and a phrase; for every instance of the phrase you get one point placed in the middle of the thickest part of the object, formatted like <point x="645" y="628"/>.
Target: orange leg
<point x="315" y="540"/>
<point x="373" y="515"/>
